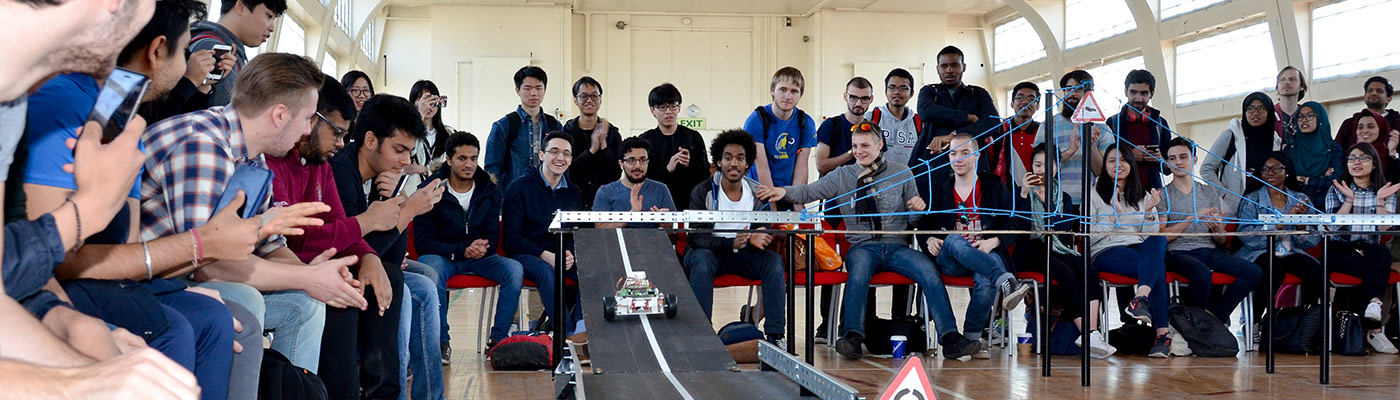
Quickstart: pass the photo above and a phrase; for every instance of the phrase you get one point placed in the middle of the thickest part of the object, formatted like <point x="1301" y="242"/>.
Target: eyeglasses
<point x="589" y="97"/>
<point x="1025" y="98"/>
<point x="863" y="127"/>
<point x="668" y="107"/>
<point x="559" y="152"/>
<point x="360" y="92"/>
<point x="340" y="134"/>
<point x="1307" y="117"/>
<point x="1255" y="110"/>
<point x="860" y="99"/>
<point x="1359" y="159"/>
<point x="1277" y="169"/>
<point x="899" y="88"/>
<point x="635" y="160"/>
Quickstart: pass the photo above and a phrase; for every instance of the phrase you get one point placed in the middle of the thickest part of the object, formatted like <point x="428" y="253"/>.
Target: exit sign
<point x="692" y="123"/>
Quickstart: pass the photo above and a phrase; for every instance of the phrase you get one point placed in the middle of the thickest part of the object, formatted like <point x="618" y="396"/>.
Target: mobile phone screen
<point x="399" y="188"/>
<point x="219" y="51"/>
<point x="117" y="102"/>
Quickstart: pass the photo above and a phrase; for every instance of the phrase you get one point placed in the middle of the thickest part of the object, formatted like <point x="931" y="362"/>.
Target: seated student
<point x="1119" y="204"/>
<point x="1362" y="256"/>
<point x="1290" y="256"/>
<point x="634" y="192"/>
<point x="982" y="256"/>
<point x="876" y="253"/>
<point x="1194" y="208"/>
<point x="1066" y="264"/>
<point x="1313" y="152"/>
<point x="741" y="253"/>
<point x="530" y="204"/>
<point x="1370" y="127"/>
<point x="460" y="235"/>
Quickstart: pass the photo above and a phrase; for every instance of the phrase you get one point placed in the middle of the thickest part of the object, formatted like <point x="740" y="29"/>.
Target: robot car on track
<point x="637" y="296"/>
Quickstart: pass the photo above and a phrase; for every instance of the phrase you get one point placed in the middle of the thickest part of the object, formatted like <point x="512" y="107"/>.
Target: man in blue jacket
<point x="462" y="231"/>
<point x="531" y="202"/>
<point x="517" y="138"/>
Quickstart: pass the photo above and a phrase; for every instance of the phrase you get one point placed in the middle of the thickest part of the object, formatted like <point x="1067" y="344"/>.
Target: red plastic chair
<point x="488" y="294"/>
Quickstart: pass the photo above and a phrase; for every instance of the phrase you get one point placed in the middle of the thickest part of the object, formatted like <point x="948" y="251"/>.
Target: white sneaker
<point x="1373" y="311"/>
<point x="1380" y="343"/>
<point x="1098" y="347"/>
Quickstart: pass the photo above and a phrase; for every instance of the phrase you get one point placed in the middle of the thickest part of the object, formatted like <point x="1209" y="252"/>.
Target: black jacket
<point x="532" y="205"/>
<point x="994" y="195"/>
<point x="941" y="115"/>
<point x="1161" y="135"/>
<point x="446" y="231"/>
<point x="705" y="196"/>
<point x="391" y="245"/>
<point x="684" y="178"/>
<point x="589" y="170"/>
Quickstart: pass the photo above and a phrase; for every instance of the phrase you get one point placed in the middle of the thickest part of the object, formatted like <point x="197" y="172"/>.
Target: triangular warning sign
<point x="910" y="383"/>
<point x="1088" y="110"/>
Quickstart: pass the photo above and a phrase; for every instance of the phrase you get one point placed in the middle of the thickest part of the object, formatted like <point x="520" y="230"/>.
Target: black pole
<point x="1273" y="311"/>
<point x="811" y="274"/>
<point x="1085" y="155"/>
<point x="559" y="314"/>
<point x="1052" y="156"/>
<point x="791" y="297"/>
<point x="1324" y="373"/>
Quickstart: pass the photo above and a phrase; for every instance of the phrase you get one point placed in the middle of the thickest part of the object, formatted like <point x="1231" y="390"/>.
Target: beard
<point x="1376" y="105"/>
<point x="309" y="150"/>
<point x="97" y="49"/>
<point x="636" y="180"/>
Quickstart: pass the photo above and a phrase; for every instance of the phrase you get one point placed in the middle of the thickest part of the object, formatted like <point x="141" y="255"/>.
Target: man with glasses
<point x="634" y="192"/>
<point x="900" y="126"/>
<point x="1010" y="158"/>
<point x="677" y="153"/>
<point x="529" y="207"/>
<point x="595" y="141"/>
<point x="834" y="135"/>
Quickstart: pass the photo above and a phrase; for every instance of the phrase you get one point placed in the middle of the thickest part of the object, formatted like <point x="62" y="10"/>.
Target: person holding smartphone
<point x="1140" y="124"/>
<point x="242" y="23"/>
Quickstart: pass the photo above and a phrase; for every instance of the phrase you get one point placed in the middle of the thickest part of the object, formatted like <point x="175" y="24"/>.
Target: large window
<point x="291" y="38"/>
<point x="367" y="44"/>
<point x="342" y="16"/>
<point x="1172" y="8"/>
<point x="1108" y="83"/>
<point x="1354" y="36"/>
<point x="1089" y="21"/>
<point x="1016" y="43"/>
<point x="330" y="66"/>
<point x="1227" y="64"/>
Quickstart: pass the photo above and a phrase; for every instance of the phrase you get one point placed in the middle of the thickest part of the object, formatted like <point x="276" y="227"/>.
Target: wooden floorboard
<point x="1005" y="376"/>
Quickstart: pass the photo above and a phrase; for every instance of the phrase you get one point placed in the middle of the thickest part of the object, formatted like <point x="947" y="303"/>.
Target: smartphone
<point x="399" y="187"/>
<point x="1151" y="147"/>
<point x="117" y="102"/>
<point x="442" y="102"/>
<point x="219" y="51"/>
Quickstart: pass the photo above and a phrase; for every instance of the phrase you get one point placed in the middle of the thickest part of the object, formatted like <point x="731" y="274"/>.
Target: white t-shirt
<point x="745" y="203"/>
<point x="465" y="199"/>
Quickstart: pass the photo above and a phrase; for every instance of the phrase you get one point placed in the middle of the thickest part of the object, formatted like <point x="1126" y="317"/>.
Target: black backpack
<point x="1133" y="337"/>
<point x="1204" y="333"/>
<point x="513" y="123"/>
<point x="878" y="331"/>
<point x="279" y="379"/>
<point x="1297" y="330"/>
<point x="767" y="119"/>
<point x="525" y="352"/>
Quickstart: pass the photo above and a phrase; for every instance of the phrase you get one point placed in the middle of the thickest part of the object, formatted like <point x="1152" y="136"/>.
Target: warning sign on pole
<point x="911" y="383"/>
<point x="1088" y="111"/>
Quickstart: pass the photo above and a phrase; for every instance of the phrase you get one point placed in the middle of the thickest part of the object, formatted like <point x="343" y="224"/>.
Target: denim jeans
<point x="865" y="259"/>
<point x="766" y="266"/>
<point x="418" y="339"/>
<point x="1144" y="262"/>
<point x="506" y="272"/>
<point x="958" y="257"/>
<point x="543" y="275"/>
<point x="210" y="326"/>
<point x="297" y="320"/>
<point x="1197" y="265"/>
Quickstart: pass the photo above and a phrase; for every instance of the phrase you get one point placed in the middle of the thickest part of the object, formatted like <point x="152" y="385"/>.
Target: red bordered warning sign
<point x="911" y="383"/>
<point x="1088" y="111"/>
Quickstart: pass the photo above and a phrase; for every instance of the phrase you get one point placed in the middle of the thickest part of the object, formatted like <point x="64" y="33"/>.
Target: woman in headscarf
<point x="1315" y="157"/>
<point x="1371" y="128"/>
<point x="1248" y="141"/>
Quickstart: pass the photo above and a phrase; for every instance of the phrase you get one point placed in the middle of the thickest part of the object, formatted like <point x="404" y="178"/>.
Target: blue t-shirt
<point x="55" y="113"/>
<point x="616" y="197"/>
<point x="835" y="132"/>
<point x="781" y="142"/>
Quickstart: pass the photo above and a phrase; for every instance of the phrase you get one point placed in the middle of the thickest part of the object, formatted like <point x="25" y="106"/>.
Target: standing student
<point x="1119" y="204"/>
<point x="1291" y="87"/>
<point x="1143" y="126"/>
<point x="1363" y="190"/>
<point x="677" y="153"/>
<point x="1377" y="96"/>
<point x="241" y="23"/>
<point x="633" y="192"/>
<point x="783" y="133"/>
<point x="834" y="135"/>
<point x="1316" y="157"/>
<point x="1369" y="127"/>
<point x="1073" y="162"/>
<point x="899" y="124"/>
<point x="428" y="155"/>
<point x="1245" y="144"/>
<point x="1010" y="158"/>
<point x="595" y="139"/>
<point x="944" y="107"/>
<point x="513" y="146"/>
<point x="360" y="87"/>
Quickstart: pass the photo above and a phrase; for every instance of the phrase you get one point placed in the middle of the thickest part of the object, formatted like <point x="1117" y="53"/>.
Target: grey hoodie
<point x="200" y="39"/>
<point x="844" y="180"/>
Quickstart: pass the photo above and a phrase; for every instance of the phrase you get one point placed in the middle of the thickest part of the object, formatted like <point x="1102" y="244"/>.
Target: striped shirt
<point x="1072" y="168"/>
<point x="1363" y="203"/>
<point x="191" y="158"/>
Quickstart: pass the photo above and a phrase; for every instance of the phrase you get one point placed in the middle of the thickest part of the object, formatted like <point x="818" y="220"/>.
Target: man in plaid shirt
<point x="193" y="156"/>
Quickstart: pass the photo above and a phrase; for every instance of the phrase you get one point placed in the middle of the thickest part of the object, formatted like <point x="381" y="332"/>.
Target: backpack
<point x="875" y="117"/>
<point x="1202" y="331"/>
<point x="1133" y="337"/>
<point x="513" y="123"/>
<point x="879" y="330"/>
<point x="527" y="352"/>
<point x="737" y="332"/>
<point x="768" y="118"/>
<point x="279" y="379"/>
<point x="1297" y="330"/>
<point x="1061" y="337"/>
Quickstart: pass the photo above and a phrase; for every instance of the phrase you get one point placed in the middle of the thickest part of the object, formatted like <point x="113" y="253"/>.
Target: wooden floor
<point x="1013" y="374"/>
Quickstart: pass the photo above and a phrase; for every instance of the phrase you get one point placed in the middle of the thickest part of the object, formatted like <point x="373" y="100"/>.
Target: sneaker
<point x="1161" y="348"/>
<point x="1373" y="311"/>
<point x="849" y="346"/>
<point x="821" y="334"/>
<point x="1012" y="292"/>
<point x="1098" y="347"/>
<point x="1137" y="308"/>
<point x="447" y="351"/>
<point x="490" y="344"/>
<point x="959" y="347"/>
<point x="777" y="340"/>
<point x="1380" y="343"/>
<point x="983" y="354"/>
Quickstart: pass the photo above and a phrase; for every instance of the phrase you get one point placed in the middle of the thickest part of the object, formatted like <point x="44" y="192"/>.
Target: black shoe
<point x="821" y="334"/>
<point x="490" y="344"/>
<point x="447" y="351"/>
<point x="777" y="340"/>
<point x="1137" y="308"/>
<point x="1161" y="348"/>
<point x="849" y="346"/>
<point x="1012" y="292"/>
<point x="958" y="347"/>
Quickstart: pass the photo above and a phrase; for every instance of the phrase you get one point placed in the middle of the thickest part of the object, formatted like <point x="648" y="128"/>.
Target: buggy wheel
<point x="609" y="308"/>
<point x="670" y="306"/>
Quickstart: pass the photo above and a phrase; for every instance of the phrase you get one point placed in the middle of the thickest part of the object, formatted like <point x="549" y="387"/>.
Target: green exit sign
<point x="692" y="123"/>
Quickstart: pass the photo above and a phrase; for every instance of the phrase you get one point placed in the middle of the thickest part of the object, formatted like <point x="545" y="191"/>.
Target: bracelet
<point x="77" y="221"/>
<point x="198" y="247"/>
<point x="147" y="250"/>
